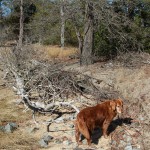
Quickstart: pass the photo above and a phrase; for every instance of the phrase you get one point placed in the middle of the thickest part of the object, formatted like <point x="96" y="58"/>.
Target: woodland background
<point x="60" y="56"/>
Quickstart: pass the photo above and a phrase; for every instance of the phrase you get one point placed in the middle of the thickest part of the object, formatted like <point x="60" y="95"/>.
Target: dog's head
<point x="117" y="105"/>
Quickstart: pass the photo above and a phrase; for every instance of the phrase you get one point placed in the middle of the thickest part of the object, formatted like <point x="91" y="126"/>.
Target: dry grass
<point x="18" y="140"/>
<point x="54" y="52"/>
<point x="9" y="111"/>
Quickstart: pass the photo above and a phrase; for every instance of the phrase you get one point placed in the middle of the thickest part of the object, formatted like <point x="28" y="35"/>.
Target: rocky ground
<point x="132" y="133"/>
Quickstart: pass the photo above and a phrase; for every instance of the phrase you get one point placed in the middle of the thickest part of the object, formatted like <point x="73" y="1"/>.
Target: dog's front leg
<point x="106" y="123"/>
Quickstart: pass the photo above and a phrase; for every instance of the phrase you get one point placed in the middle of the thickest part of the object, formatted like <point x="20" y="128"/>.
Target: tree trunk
<point x="87" y="50"/>
<point x="62" y="24"/>
<point x="80" y="40"/>
<point x="20" y="41"/>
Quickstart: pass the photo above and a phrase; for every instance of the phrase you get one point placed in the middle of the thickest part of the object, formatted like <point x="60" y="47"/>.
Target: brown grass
<point x="18" y="140"/>
<point x="56" y="51"/>
<point x="9" y="111"/>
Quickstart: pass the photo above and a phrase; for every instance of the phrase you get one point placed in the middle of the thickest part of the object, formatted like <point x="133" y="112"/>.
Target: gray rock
<point x="10" y="127"/>
<point x="43" y="143"/>
<point x="128" y="147"/>
<point x="14" y="125"/>
<point x="47" y="138"/>
<point x="2" y="128"/>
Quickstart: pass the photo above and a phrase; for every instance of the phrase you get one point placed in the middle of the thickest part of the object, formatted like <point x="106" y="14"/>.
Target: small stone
<point x="2" y="128"/>
<point x="43" y="143"/>
<point x="10" y="127"/>
<point x="47" y="138"/>
<point x="128" y="147"/>
<point x="14" y="125"/>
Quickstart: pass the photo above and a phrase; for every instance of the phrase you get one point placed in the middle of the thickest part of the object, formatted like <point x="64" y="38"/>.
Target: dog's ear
<point x="121" y="101"/>
<point x="113" y="105"/>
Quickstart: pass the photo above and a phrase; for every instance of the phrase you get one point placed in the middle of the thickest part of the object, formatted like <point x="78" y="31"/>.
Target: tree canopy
<point x="101" y="27"/>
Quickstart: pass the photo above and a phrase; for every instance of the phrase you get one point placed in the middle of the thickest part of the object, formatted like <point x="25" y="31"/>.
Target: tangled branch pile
<point x="46" y="82"/>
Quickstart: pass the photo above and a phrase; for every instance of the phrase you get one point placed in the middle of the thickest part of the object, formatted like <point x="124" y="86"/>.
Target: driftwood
<point x="47" y="109"/>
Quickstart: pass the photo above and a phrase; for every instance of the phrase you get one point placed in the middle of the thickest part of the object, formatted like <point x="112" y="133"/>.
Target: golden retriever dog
<point x="100" y="115"/>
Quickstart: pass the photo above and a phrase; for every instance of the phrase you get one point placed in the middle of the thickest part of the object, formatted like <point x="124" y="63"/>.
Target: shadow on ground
<point x="97" y="133"/>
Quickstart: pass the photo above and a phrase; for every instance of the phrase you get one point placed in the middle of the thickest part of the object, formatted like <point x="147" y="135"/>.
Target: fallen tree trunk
<point x="47" y="107"/>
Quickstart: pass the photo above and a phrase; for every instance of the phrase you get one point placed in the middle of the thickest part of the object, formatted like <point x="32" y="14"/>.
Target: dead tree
<point x="86" y="53"/>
